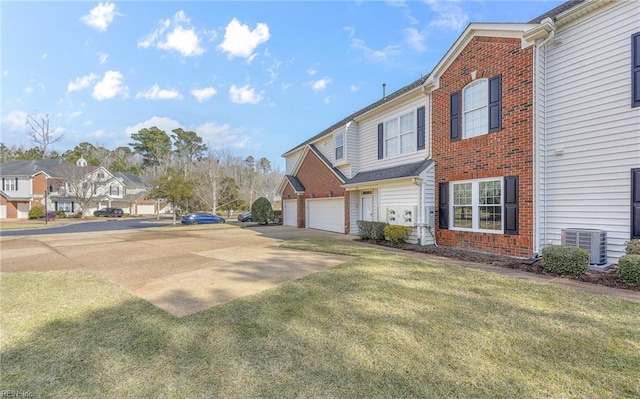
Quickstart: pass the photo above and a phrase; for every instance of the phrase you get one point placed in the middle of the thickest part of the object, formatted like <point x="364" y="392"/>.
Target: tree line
<point x="179" y="167"/>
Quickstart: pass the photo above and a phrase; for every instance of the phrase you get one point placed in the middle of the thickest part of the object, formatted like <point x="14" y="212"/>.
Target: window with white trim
<point x="477" y="205"/>
<point x="339" y="143"/>
<point x="64" y="206"/>
<point x="10" y="184"/>
<point x="400" y="135"/>
<point x="475" y="113"/>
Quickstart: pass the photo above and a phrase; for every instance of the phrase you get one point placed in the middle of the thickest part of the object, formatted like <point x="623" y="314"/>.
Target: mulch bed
<point x="607" y="278"/>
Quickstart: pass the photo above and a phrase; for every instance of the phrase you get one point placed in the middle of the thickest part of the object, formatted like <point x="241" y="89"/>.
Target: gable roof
<point x="393" y="173"/>
<point x="32" y="167"/>
<point x="130" y="180"/>
<point x="295" y="183"/>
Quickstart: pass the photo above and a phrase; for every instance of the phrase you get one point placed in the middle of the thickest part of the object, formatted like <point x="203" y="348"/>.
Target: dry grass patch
<point x="381" y="325"/>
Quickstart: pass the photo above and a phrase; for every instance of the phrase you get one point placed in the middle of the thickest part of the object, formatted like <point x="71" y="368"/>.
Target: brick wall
<point x="508" y="152"/>
<point x="317" y="180"/>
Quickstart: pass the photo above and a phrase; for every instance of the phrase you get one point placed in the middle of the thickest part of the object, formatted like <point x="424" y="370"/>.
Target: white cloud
<point x="29" y="89"/>
<point x="320" y="84"/>
<point x="450" y="15"/>
<point x="5" y="73"/>
<point x="415" y="39"/>
<point x="160" y="122"/>
<point x="311" y="71"/>
<point x="101" y="16"/>
<point x="81" y="82"/>
<point x="354" y="88"/>
<point x="75" y="114"/>
<point x="110" y="86"/>
<point x="204" y="94"/>
<point x="16" y="120"/>
<point x="156" y="93"/>
<point x="385" y="53"/>
<point x="103" y="57"/>
<point x="222" y="136"/>
<point x="244" y="95"/>
<point x="239" y="41"/>
<point x="173" y="35"/>
<point x="273" y="72"/>
<point x="43" y="56"/>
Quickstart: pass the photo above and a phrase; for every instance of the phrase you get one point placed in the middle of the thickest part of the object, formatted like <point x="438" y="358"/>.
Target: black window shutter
<point x="16" y="184"/>
<point x="635" y="70"/>
<point x="3" y="184"/>
<point x="454" y="116"/>
<point x="421" y="128"/>
<point x="511" y="205"/>
<point x="443" y="206"/>
<point x="380" y="141"/>
<point x="635" y="203"/>
<point x="495" y="103"/>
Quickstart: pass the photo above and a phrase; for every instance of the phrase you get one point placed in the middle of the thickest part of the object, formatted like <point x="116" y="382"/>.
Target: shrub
<point x="261" y="211"/>
<point x="629" y="268"/>
<point x="563" y="260"/>
<point x="397" y="234"/>
<point x="61" y="214"/>
<point x="633" y="247"/>
<point x="36" y="212"/>
<point x="371" y="230"/>
<point x="277" y="216"/>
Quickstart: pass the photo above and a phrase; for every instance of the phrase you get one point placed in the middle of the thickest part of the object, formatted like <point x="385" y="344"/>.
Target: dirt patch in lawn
<point x="607" y="278"/>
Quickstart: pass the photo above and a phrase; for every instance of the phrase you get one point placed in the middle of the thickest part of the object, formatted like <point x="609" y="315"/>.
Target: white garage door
<point x="290" y="213"/>
<point x="23" y="210"/>
<point x="3" y="211"/>
<point x="146" y="209"/>
<point x="326" y="214"/>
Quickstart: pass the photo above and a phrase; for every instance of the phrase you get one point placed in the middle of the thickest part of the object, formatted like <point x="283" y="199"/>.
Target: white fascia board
<point x="514" y="31"/>
<point x="580" y="10"/>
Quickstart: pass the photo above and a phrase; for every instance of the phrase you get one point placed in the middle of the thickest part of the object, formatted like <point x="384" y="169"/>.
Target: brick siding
<point x="508" y="152"/>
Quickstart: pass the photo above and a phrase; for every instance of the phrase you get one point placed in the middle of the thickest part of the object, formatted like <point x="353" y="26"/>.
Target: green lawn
<point x="380" y="326"/>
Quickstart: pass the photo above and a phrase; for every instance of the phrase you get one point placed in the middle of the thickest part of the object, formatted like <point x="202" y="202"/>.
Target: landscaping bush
<point x="36" y="212"/>
<point x="371" y="230"/>
<point x="277" y="216"/>
<point x="261" y="211"/>
<point x="629" y="268"/>
<point x="397" y="234"/>
<point x="563" y="260"/>
<point x="633" y="247"/>
<point x="61" y="214"/>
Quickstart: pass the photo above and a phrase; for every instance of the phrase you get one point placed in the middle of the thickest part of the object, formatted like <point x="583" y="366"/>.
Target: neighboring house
<point x="24" y="184"/>
<point x="373" y="165"/>
<point x="587" y="119"/>
<point x="520" y="131"/>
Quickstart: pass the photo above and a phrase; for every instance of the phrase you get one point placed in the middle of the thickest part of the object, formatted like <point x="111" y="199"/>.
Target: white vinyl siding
<point x="588" y="137"/>
<point x="292" y="161"/>
<point x="368" y="135"/>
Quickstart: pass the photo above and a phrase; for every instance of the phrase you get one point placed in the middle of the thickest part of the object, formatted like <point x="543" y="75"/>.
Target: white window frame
<point x="475" y="205"/>
<point x="339" y="143"/>
<point x="478" y="109"/>
<point x="393" y="126"/>
<point x="65" y="206"/>
<point x="10" y="184"/>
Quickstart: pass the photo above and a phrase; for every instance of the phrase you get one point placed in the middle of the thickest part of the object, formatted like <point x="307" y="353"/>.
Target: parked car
<point x="201" y="218"/>
<point x="245" y="217"/>
<point x="109" y="212"/>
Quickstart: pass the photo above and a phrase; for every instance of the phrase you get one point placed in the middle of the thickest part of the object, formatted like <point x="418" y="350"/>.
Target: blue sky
<point x="254" y="78"/>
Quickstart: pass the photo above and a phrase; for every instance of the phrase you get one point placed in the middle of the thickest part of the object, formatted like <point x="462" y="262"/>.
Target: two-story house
<point x="59" y="185"/>
<point x="373" y="165"/>
<point x="520" y="131"/>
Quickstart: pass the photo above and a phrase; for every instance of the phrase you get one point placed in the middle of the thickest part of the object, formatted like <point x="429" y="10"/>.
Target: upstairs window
<point x="339" y="141"/>
<point x="474" y="109"/>
<point x="114" y="190"/>
<point x="10" y="184"/>
<point x="400" y="135"/>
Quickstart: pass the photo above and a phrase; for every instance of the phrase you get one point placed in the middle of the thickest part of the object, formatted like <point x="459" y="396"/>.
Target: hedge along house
<point x="374" y="165"/>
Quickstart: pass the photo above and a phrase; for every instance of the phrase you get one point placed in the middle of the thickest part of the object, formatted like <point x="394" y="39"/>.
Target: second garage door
<point x="326" y="214"/>
<point x="290" y="213"/>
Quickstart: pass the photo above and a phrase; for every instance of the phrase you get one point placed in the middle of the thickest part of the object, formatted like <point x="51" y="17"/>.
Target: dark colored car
<point x="109" y="212"/>
<point x="245" y="217"/>
<point x="201" y="218"/>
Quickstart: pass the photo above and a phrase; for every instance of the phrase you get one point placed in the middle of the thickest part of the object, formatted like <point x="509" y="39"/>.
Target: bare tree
<point x="78" y="185"/>
<point x="42" y="134"/>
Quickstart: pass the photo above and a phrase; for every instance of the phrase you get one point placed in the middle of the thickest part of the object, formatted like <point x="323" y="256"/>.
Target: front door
<point x="367" y="207"/>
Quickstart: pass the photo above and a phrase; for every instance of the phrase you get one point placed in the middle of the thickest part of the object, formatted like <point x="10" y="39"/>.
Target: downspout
<point x="544" y="146"/>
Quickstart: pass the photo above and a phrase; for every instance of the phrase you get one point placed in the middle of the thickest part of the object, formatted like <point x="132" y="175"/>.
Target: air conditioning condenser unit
<point x="592" y="240"/>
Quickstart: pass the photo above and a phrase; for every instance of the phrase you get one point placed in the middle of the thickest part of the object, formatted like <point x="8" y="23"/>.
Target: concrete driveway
<point x="180" y="269"/>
